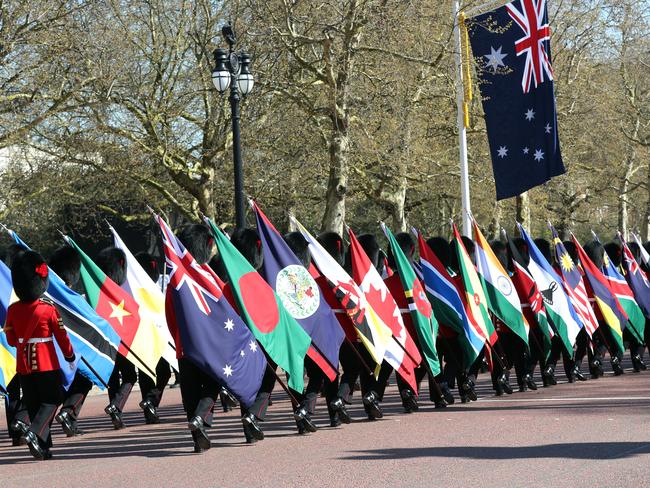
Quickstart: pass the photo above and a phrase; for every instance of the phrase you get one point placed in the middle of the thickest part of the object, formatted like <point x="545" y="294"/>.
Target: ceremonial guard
<point x="32" y="325"/>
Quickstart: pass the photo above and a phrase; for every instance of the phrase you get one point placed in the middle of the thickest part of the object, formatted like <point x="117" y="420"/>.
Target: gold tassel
<point x="465" y="67"/>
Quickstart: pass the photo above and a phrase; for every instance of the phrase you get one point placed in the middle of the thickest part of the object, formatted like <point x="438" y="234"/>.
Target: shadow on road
<point x="580" y="450"/>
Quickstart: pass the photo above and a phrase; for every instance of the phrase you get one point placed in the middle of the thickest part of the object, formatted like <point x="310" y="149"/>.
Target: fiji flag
<point x="213" y="336"/>
<point x="511" y="47"/>
<point x="300" y="295"/>
<point x="7" y="352"/>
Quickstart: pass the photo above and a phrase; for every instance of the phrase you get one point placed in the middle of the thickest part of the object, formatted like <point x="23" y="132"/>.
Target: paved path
<point x="585" y="434"/>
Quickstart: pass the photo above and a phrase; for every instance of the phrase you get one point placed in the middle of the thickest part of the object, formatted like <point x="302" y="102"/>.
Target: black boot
<point x="409" y="401"/>
<point x="150" y="412"/>
<point x="530" y="383"/>
<point x="303" y="420"/>
<point x="371" y="406"/>
<point x="199" y="433"/>
<point x="250" y="423"/>
<point x="338" y="406"/>
<point x="34" y="447"/>
<point x="116" y="416"/>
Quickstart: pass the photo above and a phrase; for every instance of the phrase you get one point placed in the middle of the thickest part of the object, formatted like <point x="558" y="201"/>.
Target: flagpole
<point x="460" y="120"/>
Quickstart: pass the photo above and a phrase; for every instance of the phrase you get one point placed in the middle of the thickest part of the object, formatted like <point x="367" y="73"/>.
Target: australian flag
<point x="301" y="296"/>
<point x="213" y="336"/>
<point x="511" y="47"/>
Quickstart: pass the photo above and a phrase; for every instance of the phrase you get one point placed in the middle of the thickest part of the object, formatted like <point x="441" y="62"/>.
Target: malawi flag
<point x="424" y="321"/>
<point x="609" y="306"/>
<point x="93" y="339"/>
<point x="636" y="278"/>
<point x="500" y="292"/>
<point x="212" y="335"/>
<point x="558" y="306"/>
<point x="448" y="300"/>
<point x="402" y="353"/>
<point x="474" y="293"/>
<point x="300" y="296"/>
<point x="373" y="333"/>
<point x="283" y="339"/>
<point x="625" y="296"/>
<point x="532" y="302"/>
<point x="140" y="341"/>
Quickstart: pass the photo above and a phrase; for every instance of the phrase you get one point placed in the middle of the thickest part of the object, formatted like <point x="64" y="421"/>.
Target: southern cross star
<point x="495" y="59"/>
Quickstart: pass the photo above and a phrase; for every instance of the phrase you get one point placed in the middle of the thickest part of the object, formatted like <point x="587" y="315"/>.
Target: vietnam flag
<point x="401" y="353"/>
<point x="283" y="339"/>
<point x="140" y="341"/>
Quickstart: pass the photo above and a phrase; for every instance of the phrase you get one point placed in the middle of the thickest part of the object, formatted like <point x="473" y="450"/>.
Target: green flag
<point x="283" y="339"/>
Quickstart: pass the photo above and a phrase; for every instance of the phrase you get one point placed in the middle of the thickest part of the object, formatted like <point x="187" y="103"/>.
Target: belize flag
<point x="300" y="295"/>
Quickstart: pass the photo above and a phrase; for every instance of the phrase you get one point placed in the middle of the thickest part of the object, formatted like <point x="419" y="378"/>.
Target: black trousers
<point x="199" y="391"/>
<point x="121" y="382"/>
<point x="636" y="347"/>
<point x="317" y="381"/>
<point x="582" y="347"/>
<point x="15" y="408"/>
<point x="43" y="394"/>
<point x="516" y="353"/>
<point x="353" y="369"/>
<point x="76" y="395"/>
<point x="151" y="390"/>
<point x="557" y="350"/>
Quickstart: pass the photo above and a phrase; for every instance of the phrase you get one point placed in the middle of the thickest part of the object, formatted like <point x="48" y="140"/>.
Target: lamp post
<point x="233" y="70"/>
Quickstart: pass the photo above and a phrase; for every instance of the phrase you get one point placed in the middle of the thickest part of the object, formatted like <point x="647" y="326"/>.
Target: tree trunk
<point x="522" y="210"/>
<point x="494" y="229"/>
<point x="337" y="185"/>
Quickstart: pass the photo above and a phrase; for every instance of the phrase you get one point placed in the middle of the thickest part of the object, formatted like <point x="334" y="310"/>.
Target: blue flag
<point x="301" y="296"/>
<point x="7" y="352"/>
<point x="213" y="336"/>
<point x="92" y="337"/>
<point x="511" y="47"/>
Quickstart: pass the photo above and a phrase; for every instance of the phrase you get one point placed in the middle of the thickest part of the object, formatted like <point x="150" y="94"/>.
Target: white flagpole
<point x="462" y="133"/>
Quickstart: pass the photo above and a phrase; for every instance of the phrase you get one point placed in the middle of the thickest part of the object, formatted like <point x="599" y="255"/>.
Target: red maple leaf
<point x="385" y="308"/>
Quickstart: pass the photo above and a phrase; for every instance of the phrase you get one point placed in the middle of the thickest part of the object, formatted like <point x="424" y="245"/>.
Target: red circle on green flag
<point x="420" y="299"/>
<point x="259" y="302"/>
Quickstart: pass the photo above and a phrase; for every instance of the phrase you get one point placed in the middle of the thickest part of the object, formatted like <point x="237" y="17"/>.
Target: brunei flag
<point x="424" y="321"/>
<point x="373" y="333"/>
<point x="474" y="293"/>
<point x="402" y="353"/>
<point x="283" y="339"/>
<point x="609" y="306"/>
<point x="449" y="301"/>
<point x="300" y="295"/>
<point x="500" y="292"/>
<point x="140" y="341"/>
<point x="7" y="352"/>
<point x="149" y="298"/>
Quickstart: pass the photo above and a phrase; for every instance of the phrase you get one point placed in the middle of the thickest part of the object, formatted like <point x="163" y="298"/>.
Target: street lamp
<point x="232" y="70"/>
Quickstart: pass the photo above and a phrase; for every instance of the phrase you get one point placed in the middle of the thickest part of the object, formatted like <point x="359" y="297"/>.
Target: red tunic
<point x="31" y="327"/>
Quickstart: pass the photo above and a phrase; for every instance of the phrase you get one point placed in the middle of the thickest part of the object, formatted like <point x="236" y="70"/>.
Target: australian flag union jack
<point x="511" y="47"/>
<point x="213" y="335"/>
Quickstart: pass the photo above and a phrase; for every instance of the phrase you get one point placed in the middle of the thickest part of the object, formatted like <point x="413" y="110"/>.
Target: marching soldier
<point x="32" y="325"/>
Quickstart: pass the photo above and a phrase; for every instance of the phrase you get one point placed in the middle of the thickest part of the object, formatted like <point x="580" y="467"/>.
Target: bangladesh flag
<point x="283" y="339"/>
<point x="424" y="321"/>
<point x="140" y="341"/>
<point x="500" y="292"/>
<point x="476" y="299"/>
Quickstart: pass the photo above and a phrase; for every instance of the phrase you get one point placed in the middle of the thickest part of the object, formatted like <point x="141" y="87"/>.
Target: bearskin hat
<point x="198" y="241"/>
<point x="441" y="249"/>
<point x="65" y="262"/>
<point x="149" y="264"/>
<point x="500" y="251"/>
<point x="248" y="243"/>
<point x="371" y="247"/>
<point x="300" y="247"/>
<point x="545" y="248"/>
<point x="12" y="252"/>
<point x="333" y="244"/>
<point x="635" y="250"/>
<point x="112" y="261"/>
<point x="572" y="251"/>
<point x="29" y="274"/>
<point x="596" y="253"/>
<point x="406" y="244"/>
<point x="522" y="247"/>
<point x="615" y="252"/>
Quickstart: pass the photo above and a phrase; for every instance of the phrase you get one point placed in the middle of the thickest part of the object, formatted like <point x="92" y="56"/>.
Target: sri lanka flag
<point x="283" y="339"/>
<point x="558" y="306"/>
<point x="424" y="320"/>
<point x="373" y="333"/>
<point x="300" y="295"/>
<point x="636" y="278"/>
<point x="500" y="292"/>
<point x="403" y="357"/>
<point x="94" y="341"/>
<point x="149" y="298"/>
<point x="448" y="300"/>
<point x="140" y="341"/>
<point x="607" y="303"/>
<point x="7" y="352"/>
